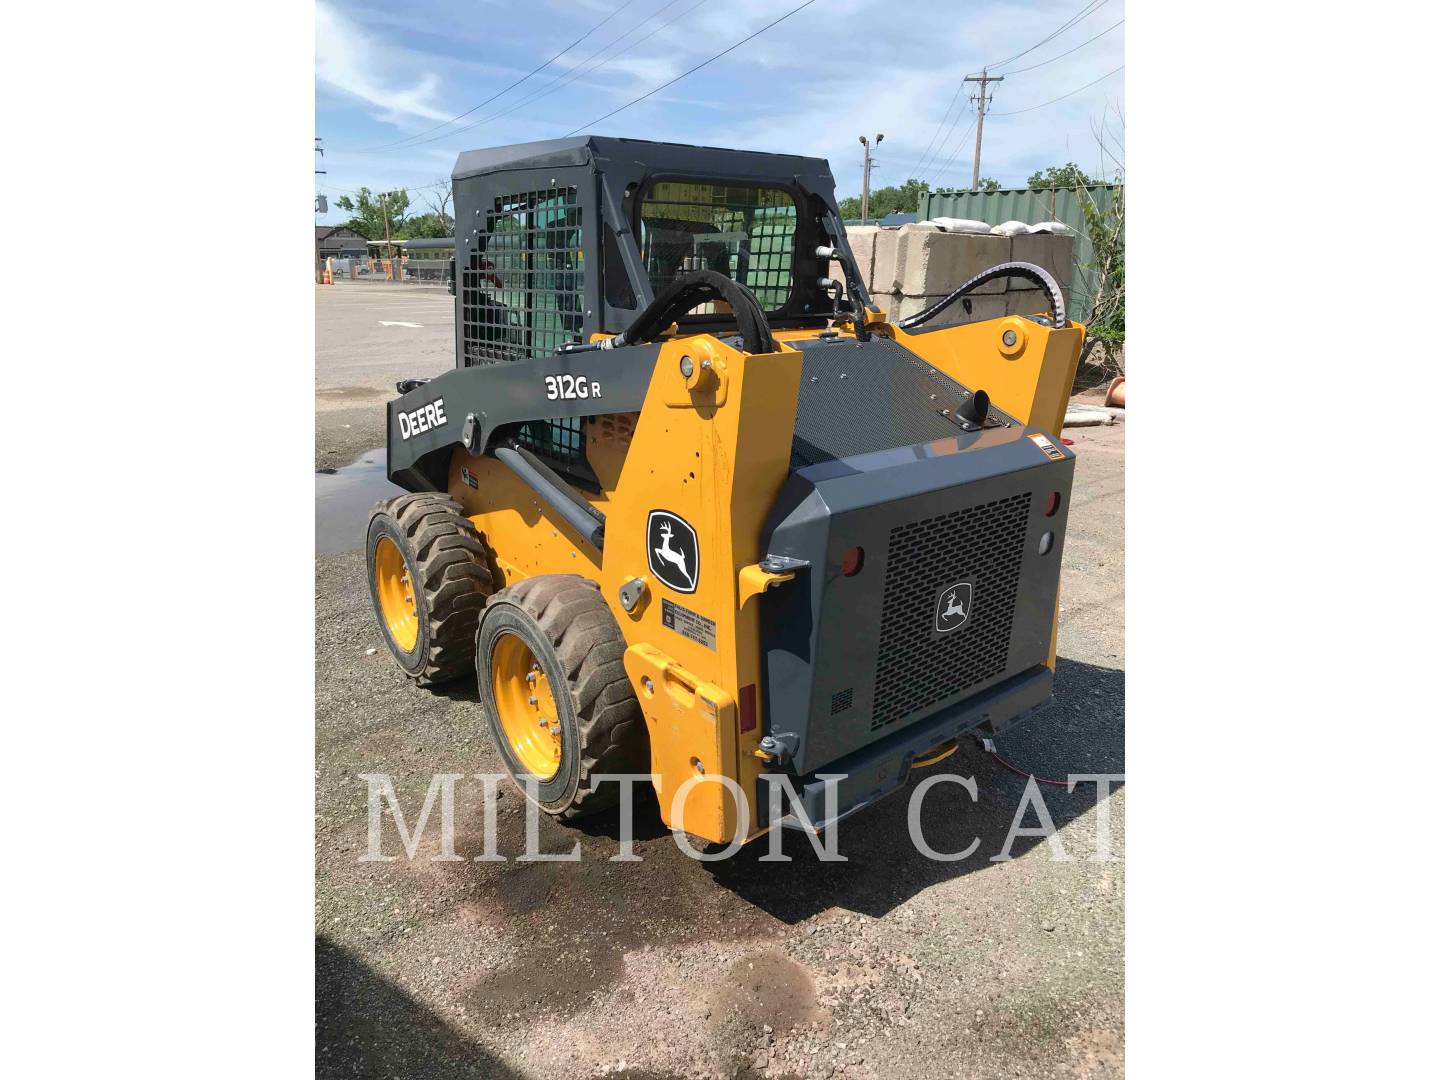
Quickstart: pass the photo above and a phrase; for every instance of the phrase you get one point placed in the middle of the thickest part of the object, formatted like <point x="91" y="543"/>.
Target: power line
<point x="1062" y="97"/>
<point x="587" y="68"/>
<point x="960" y="145"/>
<point x="928" y="159"/>
<point x="407" y="188"/>
<point x="584" y="67"/>
<point x="946" y="140"/>
<point x="697" y="67"/>
<point x="1067" y="52"/>
<point x="1093" y="6"/>
<point x="502" y="93"/>
<point x="926" y="156"/>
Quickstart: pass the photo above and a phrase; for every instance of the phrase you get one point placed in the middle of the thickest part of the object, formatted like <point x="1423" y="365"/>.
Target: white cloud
<point x="809" y="85"/>
<point x="351" y="62"/>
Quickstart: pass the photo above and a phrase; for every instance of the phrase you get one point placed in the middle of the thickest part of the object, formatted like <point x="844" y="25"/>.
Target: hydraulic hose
<point x="1029" y="271"/>
<point x="688" y="292"/>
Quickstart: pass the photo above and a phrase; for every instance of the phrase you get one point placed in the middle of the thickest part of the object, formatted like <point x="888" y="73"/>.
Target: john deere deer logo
<point x="952" y="607"/>
<point x="673" y="550"/>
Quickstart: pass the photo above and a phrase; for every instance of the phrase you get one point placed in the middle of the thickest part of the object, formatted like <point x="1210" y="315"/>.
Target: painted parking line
<point x="412" y="325"/>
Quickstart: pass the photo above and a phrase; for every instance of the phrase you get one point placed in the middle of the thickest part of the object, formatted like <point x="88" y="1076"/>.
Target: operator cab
<point x="559" y="241"/>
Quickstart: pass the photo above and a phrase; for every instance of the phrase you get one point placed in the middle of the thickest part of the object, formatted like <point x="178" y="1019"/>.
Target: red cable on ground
<point x="1028" y="775"/>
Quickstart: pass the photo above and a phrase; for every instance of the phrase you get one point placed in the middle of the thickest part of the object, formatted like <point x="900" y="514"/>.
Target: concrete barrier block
<point x="1055" y="253"/>
<point x="934" y="263"/>
<point x="982" y="306"/>
<point x="885" y="275"/>
<point x="1027" y="302"/>
<point x="862" y="245"/>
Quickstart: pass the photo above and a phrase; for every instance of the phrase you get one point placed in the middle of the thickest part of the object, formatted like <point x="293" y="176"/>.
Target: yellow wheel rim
<point x="397" y="595"/>
<point x="526" y="706"/>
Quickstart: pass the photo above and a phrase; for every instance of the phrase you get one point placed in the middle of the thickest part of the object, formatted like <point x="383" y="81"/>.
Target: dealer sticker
<point x="1053" y="452"/>
<point x="690" y="624"/>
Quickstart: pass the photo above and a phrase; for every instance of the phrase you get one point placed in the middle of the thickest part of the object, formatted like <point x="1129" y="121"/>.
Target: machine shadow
<point x="1081" y="731"/>
<point x="367" y="1026"/>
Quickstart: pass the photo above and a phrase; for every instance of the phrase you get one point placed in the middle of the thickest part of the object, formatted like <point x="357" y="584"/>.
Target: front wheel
<point x="429" y="576"/>
<point x="549" y="658"/>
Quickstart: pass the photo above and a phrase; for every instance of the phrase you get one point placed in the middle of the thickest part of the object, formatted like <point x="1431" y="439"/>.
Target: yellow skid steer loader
<point x="691" y="505"/>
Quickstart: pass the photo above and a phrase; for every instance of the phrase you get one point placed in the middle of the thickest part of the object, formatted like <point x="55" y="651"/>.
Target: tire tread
<point x="574" y="616"/>
<point x="453" y="565"/>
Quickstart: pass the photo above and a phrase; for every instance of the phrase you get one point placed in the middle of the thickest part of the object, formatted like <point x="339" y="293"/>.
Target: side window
<point x="618" y="292"/>
<point x="523" y="292"/>
<point x="523" y="295"/>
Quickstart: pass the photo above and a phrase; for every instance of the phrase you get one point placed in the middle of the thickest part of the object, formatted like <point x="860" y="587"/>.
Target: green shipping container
<point x="1031" y="207"/>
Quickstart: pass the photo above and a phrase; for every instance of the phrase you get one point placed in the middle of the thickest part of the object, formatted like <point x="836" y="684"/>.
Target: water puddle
<point x="343" y="500"/>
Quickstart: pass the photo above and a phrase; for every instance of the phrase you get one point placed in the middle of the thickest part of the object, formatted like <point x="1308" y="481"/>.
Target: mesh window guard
<point x="523" y="289"/>
<point x="746" y="233"/>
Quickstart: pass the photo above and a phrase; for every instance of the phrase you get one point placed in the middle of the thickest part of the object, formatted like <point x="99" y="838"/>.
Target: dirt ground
<point x="887" y="965"/>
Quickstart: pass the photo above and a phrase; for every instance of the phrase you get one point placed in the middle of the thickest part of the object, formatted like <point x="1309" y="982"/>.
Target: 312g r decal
<point x="569" y="388"/>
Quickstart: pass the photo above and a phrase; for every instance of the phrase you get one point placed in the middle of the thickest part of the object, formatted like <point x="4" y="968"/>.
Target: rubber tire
<point x="566" y="624"/>
<point x="445" y="554"/>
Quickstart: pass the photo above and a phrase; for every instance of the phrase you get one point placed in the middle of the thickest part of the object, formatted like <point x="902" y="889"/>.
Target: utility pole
<point x="865" y="184"/>
<point x="389" y="247"/>
<point x="984" y="80"/>
<point x="321" y="205"/>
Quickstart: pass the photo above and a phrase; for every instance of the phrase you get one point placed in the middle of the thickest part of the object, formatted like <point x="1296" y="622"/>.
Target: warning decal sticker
<point x="1053" y="452"/>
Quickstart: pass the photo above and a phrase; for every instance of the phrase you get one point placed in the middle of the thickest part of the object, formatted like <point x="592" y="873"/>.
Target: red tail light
<point x="747" y="708"/>
<point x="852" y="562"/>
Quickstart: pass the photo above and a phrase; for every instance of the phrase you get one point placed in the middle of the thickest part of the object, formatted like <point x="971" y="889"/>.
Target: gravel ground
<point x="888" y="965"/>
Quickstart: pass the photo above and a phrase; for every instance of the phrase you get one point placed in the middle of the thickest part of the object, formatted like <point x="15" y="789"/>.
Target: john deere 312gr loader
<point x="691" y="505"/>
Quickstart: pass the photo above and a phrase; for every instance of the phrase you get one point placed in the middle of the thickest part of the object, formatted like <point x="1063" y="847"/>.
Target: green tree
<point x="1068" y="176"/>
<point x="368" y="212"/>
<point x="904" y="199"/>
<point x="428" y="226"/>
<point x="989" y="183"/>
<point x="438" y="223"/>
<point x="1106" y="318"/>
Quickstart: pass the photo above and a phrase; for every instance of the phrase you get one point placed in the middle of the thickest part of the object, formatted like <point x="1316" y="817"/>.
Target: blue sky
<point x="811" y="85"/>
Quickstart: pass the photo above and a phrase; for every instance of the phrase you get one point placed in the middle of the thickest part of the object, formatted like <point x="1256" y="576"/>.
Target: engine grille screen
<point x="919" y="667"/>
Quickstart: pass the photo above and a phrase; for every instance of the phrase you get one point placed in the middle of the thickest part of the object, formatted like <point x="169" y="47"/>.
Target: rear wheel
<point x="429" y="576"/>
<point x="550" y="663"/>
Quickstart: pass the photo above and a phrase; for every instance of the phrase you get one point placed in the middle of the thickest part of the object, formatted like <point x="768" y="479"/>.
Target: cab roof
<point x="598" y="149"/>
